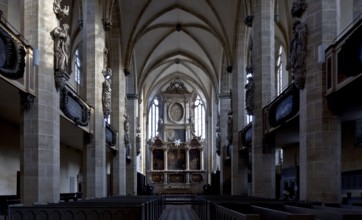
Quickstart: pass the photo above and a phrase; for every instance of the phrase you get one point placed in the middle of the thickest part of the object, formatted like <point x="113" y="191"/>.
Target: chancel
<point x="180" y="109"/>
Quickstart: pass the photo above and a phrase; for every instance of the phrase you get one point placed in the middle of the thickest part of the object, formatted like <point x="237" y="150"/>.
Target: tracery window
<point x="279" y="66"/>
<point x="77" y="66"/>
<point x="199" y="118"/>
<point x="249" y="118"/>
<point x="153" y="118"/>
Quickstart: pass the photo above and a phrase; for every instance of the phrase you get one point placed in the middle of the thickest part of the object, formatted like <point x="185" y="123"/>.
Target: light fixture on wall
<point x="36" y="57"/>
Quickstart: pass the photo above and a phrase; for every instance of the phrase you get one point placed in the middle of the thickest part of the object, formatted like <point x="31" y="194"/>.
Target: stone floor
<point x="178" y="212"/>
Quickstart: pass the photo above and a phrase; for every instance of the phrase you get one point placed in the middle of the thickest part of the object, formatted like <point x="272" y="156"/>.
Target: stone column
<point x="118" y="107"/>
<point x="131" y="167"/>
<point x="239" y="171"/>
<point x="117" y="116"/>
<point x="93" y="50"/>
<point x="320" y="131"/>
<point x="40" y="148"/>
<point x="224" y="106"/>
<point x="263" y="158"/>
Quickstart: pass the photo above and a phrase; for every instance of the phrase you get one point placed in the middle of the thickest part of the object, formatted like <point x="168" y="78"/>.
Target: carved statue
<point x="299" y="6"/>
<point x="298" y="50"/>
<point x="127" y="142"/>
<point x="61" y="40"/>
<point x="218" y="138"/>
<point x="59" y="11"/>
<point x="249" y="96"/>
<point x="107" y="92"/>
<point x="138" y="140"/>
<point x="61" y="47"/>
<point x="230" y="128"/>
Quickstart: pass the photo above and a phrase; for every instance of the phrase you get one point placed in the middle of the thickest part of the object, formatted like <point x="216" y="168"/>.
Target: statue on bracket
<point x="106" y="89"/>
<point x="61" y="40"/>
<point x="298" y="45"/>
<point x="138" y="140"/>
<point x="218" y="138"/>
<point x="127" y="142"/>
<point x="249" y="96"/>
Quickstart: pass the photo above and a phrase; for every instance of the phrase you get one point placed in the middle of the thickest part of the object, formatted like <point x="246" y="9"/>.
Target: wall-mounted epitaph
<point x="12" y="56"/>
<point x="74" y="108"/>
<point x="285" y="108"/>
<point x="111" y="135"/>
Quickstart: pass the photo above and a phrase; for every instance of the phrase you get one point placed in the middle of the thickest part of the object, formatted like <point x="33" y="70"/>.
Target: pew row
<point x="124" y="207"/>
<point x="230" y="207"/>
<point x="229" y="214"/>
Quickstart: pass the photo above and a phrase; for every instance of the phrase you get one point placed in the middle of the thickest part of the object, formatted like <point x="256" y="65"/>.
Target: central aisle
<point x="178" y="212"/>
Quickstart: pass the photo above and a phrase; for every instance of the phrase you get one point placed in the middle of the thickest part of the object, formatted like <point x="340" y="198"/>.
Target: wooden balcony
<point x="344" y="70"/>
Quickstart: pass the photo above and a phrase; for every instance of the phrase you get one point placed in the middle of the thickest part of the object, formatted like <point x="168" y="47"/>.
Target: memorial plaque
<point x="111" y="135"/>
<point x="74" y="108"/>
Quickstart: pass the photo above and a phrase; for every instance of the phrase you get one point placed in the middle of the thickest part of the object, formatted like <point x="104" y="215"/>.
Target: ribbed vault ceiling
<point x="189" y="39"/>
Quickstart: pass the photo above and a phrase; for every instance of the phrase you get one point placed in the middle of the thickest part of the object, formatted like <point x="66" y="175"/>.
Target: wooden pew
<point x="222" y="213"/>
<point x="5" y="201"/>
<point x="125" y="207"/>
<point x="324" y="214"/>
<point x="53" y="212"/>
<point x="273" y="214"/>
